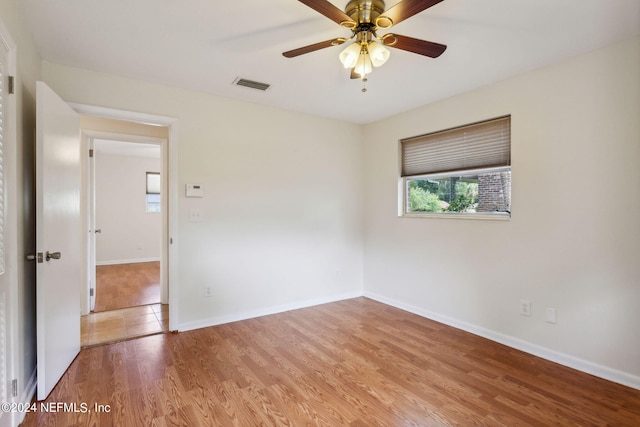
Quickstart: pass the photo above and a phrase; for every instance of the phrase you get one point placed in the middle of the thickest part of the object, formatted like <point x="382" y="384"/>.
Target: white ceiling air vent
<point x="251" y="84"/>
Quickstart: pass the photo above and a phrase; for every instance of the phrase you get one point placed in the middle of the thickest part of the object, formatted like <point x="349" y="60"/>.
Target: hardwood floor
<point x="349" y="363"/>
<point x="126" y="323"/>
<point x="127" y="304"/>
<point x="127" y="285"/>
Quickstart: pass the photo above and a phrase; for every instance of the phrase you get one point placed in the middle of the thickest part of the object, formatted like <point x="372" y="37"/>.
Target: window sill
<point x="498" y="216"/>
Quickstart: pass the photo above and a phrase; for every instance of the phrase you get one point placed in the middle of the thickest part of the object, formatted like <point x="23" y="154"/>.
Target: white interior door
<point x="58" y="237"/>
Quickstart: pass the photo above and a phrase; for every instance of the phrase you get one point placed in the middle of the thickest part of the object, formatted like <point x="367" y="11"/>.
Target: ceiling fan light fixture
<point x="379" y="54"/>
<point x="363" y="66"/>
<point x="349" y="56"/>
<point x="364" y="18"/>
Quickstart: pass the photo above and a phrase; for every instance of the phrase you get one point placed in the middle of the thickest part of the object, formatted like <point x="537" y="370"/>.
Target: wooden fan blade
<point x="421" y="47"/>
<point x="330" y="11"/>
<point x="403" y="10"/>
<point x="313" y="47"/>
<point x="354" y="75"/>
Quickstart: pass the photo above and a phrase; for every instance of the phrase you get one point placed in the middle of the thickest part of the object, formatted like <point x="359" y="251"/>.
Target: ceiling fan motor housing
<point x="366" y="13"/>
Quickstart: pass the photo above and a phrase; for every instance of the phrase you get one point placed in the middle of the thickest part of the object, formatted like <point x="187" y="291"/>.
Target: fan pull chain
<point x="364" y="84"/>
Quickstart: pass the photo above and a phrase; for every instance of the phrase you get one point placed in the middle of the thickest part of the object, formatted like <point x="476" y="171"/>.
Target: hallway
<point x="127" y="304"/>
<point x="127" y="285"/>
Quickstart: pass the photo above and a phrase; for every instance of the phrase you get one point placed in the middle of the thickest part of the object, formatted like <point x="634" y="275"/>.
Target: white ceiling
<point x="205" y="45"/>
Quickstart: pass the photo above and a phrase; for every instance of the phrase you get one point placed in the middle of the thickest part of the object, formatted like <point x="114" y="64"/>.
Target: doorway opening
<point x="128" y="224"/>
<point x="127" y="210"/>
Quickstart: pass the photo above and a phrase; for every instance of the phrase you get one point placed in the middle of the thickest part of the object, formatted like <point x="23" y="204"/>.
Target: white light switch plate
<point x="195" y="215"/>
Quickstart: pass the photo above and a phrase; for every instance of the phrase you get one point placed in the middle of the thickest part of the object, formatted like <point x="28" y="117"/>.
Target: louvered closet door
<point x="7" y="269"/>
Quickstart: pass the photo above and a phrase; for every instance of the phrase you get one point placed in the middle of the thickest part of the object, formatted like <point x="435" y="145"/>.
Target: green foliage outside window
<point x="436" y="195"/>
<point x="421" y="200"/>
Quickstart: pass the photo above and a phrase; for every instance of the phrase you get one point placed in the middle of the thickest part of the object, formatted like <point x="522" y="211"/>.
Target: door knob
<point x="99" y="230"/>
<point x="55" y="255"/>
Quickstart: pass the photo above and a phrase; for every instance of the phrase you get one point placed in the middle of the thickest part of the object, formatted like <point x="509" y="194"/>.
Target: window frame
<point x="153" y="193"/>
<point x="404" y="180"/>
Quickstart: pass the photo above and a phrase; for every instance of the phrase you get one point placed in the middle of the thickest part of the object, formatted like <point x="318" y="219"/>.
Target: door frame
<point x="14" y="368"/>
<point x="88" y="136"/>
<point x="170" y="165"/>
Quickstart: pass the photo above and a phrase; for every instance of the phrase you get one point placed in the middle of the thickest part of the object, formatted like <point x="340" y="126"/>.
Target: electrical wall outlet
<point x="552" y="315"/>
<point x="208" y="291"/>
<point x="525" y="307"/>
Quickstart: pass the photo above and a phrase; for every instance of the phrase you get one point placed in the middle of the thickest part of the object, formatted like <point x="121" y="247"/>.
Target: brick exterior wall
<point x="494" y="192"/>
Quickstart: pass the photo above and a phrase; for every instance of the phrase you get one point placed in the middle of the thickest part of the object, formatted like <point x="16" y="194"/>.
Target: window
<point x="153" y="192"/>
<point x="462" y="172"/>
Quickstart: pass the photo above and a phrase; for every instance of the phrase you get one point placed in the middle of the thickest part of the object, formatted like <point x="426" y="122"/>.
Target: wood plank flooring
<point x="127" y="285"/>
<point x="126" y="323"/>
<point x="349" y="363"/>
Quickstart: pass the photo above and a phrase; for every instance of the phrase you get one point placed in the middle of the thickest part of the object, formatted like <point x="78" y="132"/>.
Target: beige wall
<point x="128" y="232"/>
<point x="573" y="242"/>
<point x="282" y="208"/>
<point x="117" y="200"/>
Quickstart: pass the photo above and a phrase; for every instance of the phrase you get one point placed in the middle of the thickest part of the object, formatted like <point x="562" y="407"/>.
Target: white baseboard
<point x="591" y="368"/>
<point x="127" y="261"/>
<point x="219" y="320"/>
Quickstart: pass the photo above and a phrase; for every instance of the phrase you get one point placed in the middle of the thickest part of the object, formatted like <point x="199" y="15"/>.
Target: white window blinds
<point x="153" y="183"/>
<point x="479" y="145"/>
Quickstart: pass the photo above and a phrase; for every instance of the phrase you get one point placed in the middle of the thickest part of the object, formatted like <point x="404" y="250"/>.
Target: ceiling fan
<point x="364" y="18"/>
